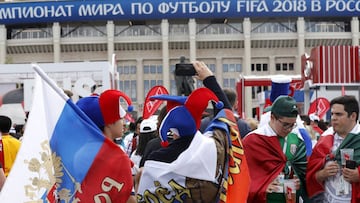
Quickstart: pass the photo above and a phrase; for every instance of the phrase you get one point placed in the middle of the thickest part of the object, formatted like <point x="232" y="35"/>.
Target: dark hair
<point x="231" y="95"/>
<point x="132" y="127"/>
<point x="305" y="118"/>
<point x="137" y="122"/>
<point x="162" y="114"/>
<point x="349" y="102"/>
<point x="323" y="125"/>
<point x="144" y="138"/>
<point x="5" y="124"/>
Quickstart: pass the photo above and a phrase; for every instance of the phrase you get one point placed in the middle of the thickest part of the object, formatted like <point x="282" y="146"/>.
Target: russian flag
<point x="64" y="157"/>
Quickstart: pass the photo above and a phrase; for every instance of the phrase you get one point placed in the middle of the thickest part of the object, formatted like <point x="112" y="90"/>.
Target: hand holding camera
<point x="184" y="69"/>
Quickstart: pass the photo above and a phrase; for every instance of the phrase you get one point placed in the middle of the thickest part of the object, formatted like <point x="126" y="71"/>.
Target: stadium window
<point x="159" y="69"/>
<point x="225" y="67"/>
<point x="238" y="68"/>
<point x="126" y="70"/>
<point x="127" y="87"/>
<point x="229" y="83"/>
<point x="146" y="69"/>
<point x="148" y="84"/>
<point x="133" y="69"/>
<point x="291" y="66"/>
<point x="258" y="67"/>
<point x="133" y="90"/>
<point x="121" y="85"/>
<point x="120" y="70"/>
<point x="173" y="90"/>
<point x="278" y="67"/>
<point x="226" y="83"/>
<point x="212" y="67"/>
<point x="152" y="69"/>
<point x="152" y="83"/>
<point x="232" y="68"/>
<point x="232" y="83"/>
<point x="284" y="66"/>
<point x="265" y="67"/>
<point x="146" y="87"/>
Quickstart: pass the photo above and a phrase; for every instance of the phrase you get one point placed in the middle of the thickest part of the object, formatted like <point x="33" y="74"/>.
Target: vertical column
<point x="355" y="31"/>
<point x="56" y="41"/>
<point x="301" y="43"/>
<point x="272" y="68"/>
<point x="301" y="50"/>
<point x="218" y="71"/>
<point x="2" y="44"/>
<point x="165" y="53"/>
<point x="192" y="39"/>
<point x="247" y="101"/>
<point x="139" y="81"/>
<point x="110" y="29"/>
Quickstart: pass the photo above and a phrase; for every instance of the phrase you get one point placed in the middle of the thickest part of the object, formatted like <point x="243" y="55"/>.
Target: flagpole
<point x="49" y="81"/>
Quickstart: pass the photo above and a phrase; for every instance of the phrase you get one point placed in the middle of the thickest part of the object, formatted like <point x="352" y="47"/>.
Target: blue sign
<point x="90" y="10"/>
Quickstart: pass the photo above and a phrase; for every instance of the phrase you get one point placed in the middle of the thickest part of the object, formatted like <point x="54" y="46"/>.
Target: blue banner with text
<point x="90" y="10"/>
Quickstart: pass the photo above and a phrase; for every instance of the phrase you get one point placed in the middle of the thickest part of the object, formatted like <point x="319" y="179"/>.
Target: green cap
<point x="267" y="109"/>
<point x="285" y="106"/>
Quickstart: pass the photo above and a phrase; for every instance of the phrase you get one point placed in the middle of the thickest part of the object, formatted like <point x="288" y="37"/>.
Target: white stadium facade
<point x="234" y="37"/>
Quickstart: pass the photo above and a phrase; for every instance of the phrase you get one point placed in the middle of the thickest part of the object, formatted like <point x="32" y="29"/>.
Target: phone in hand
<point x="351" y="164"/>
<point x="185" y="69"/>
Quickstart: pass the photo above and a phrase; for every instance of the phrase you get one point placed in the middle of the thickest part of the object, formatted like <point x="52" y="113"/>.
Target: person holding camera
<point x="327" y="179"/>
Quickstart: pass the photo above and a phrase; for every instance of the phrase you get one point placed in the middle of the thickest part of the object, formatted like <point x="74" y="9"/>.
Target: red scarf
<point x="264" y="151"/>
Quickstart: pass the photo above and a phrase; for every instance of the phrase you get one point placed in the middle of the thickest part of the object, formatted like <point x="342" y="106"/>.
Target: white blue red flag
<point x="64" y="157"/>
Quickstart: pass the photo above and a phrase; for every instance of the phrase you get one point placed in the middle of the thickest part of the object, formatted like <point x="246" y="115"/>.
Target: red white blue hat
<point x="185" y="119"/>
<point x="171" y="100"/>
<point x="90" y="106"/>
<point x="110" y="105"/>
<point x="280" y="85"/>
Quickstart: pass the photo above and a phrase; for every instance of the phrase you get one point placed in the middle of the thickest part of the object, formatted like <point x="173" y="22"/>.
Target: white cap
<point x="281" y="79"/>
<point x="148" y="125"/>
<point x="314" y="117"/>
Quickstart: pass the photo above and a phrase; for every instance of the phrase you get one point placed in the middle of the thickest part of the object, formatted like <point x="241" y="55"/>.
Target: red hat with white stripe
<point x="110" y="105"/>
<point x="185" y="119"/>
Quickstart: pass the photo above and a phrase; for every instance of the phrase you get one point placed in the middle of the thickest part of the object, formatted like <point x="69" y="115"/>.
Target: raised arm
<point x="204" y="74"/>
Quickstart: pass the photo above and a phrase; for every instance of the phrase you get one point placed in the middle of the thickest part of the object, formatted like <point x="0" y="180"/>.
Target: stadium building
<point x="235" y="38"/>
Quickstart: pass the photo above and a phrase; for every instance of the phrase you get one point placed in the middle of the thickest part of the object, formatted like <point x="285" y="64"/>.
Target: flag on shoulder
<point x="64" y="157"/>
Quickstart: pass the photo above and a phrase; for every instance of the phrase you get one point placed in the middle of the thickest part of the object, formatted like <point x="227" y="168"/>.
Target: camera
<point x="351" y="164"/>
<point x="185" y="69"/>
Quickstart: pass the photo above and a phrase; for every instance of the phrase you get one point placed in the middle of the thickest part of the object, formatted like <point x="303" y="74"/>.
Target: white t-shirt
<point x="332" y="184"/>
<point x="136" y="160"/>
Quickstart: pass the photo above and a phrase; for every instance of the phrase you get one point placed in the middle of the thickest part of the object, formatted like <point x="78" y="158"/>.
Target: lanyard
<point x="285" y="145"/>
